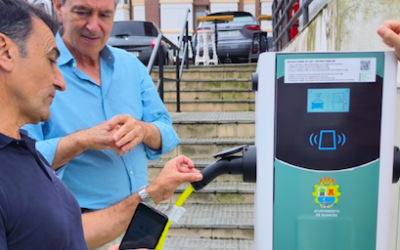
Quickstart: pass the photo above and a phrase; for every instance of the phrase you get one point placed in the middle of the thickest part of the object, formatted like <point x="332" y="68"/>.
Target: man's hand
<point x="100" y="137"/>
<point x="175" y="172"/>
<point x="130" y="132"/>
<point x="390" y="33"/>
<point x="105" y="225"/>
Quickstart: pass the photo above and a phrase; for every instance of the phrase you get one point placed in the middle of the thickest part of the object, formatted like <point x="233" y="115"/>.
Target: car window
<point x="236" y="19"/>
<point x="134" y="29"/>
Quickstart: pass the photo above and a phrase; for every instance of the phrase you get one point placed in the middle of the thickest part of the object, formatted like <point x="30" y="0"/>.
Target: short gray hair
<point x="63" y="2"/>
<point x="16" y="21"/>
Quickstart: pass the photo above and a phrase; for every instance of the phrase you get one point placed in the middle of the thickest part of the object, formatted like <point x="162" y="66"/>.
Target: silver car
<point x="234" y="38"/>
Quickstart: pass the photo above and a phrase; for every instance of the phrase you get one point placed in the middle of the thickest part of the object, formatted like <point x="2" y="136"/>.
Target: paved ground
<point x="200" y="244"/>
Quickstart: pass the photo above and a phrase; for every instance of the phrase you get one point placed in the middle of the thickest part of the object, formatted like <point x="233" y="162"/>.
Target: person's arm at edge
<point x="153" y="136"/>
<point x="156" y="114"/>
<point x="98" y="138"/>
<point x="389" y="31"/>
<point x="103" y="226"/>
<point x="68" y="148"/>
<point x="59" y="151"/>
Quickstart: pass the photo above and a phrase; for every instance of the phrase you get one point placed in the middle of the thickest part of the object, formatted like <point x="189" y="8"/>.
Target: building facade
<point x="169" y="15"/>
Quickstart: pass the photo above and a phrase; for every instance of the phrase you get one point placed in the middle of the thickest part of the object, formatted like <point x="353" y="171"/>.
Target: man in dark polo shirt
<point x="37" y="211"/>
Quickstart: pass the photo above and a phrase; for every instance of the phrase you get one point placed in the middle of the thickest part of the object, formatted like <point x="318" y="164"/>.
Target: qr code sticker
<point x="365" y="65"/>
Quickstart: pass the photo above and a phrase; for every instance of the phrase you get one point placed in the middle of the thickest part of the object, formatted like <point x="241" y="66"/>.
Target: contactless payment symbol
<point x="327" y="140"/>
<point x="326" y="193"/>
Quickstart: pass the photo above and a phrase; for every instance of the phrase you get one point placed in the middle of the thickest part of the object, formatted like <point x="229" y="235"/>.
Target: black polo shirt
<point x="37" y="211"/>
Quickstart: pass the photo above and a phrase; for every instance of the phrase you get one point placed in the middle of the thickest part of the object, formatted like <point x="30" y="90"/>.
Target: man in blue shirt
<point x="110" y="120"/>
<point x="37" y="211"/>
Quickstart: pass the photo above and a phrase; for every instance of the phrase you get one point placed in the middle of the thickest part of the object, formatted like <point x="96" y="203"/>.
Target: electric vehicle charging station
<point x="324" y="138"/>
<point x="324" y="160"/>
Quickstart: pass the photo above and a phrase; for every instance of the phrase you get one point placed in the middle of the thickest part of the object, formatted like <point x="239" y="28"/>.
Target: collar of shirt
<point x="5" y="140"/>
<point x="28" y="143"/>
<point x="67" y="58"/>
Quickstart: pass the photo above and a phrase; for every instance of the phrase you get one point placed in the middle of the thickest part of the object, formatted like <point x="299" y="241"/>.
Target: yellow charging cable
<point x="188" y="191"/>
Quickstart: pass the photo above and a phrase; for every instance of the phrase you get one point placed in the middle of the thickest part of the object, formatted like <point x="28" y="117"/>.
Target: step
<point x="221" y="66"/>
<point x="215" y="94"/>
<point x="218" y="193"/>
<point x="213" y="221"/>
<point x="211" y="105"/>
<point x="208" y="73"/>
<point x="210" y="84"/>
<point x="201" y="148"/>
<point x="179" y="243"/>
<point x="186" y="243"/>
<point x="214" y="124"/>
<point x="154" y="168"/>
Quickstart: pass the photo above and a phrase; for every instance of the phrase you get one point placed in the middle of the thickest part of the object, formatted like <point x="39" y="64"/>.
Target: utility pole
<point x="257" y="9"/>
<point x="130" y="10"/>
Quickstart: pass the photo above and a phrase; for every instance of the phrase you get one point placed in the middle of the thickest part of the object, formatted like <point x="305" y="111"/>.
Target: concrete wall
<point x="219" y="7"/>
<point x="314" y="8"/>
<point x="139" y="13"/>
<point x="251" y="8"/>
<point x="350" y="25"/>
<point x="172" y="19"/>
<point x="122" y="12"/>
<point x="266" y="9"/>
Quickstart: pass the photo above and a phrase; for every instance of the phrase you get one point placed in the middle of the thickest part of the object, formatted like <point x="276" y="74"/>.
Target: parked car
<point x="138" y="38"/>
<point x="235" y="38"/>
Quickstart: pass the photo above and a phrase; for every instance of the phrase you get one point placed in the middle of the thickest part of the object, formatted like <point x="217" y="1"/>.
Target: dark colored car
<point x="138" y="38"/>
<point x="235" y="38"/>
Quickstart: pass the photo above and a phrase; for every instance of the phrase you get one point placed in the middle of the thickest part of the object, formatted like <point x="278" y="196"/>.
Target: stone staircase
<point x="217" y="107"/>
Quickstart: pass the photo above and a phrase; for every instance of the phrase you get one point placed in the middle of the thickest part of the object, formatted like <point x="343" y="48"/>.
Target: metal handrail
<point x="288" y="7"/>
<point x="282" y="21"/>
<point x="184" y="38"/>
<point x="154" y="53"/>
<point x="182" y="64"/>
<point x="183" y="28"/>
<point x="158" y="51"/>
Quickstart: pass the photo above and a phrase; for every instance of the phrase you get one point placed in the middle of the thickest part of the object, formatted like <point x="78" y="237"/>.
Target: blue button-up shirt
<point x="99" y="179"/>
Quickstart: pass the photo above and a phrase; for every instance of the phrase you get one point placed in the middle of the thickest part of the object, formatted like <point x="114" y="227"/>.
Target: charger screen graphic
<point x="328" y="100"/>
<point x="328" y="112"/>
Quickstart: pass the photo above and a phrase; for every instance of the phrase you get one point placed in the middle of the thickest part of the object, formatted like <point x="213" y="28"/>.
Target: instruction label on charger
<point x="176" y="213"/>
<point x="330" y="70"/>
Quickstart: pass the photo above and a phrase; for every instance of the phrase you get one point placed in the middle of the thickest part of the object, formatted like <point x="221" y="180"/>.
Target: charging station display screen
<point x="328" y="109"/>
<point x="328" y="100"/>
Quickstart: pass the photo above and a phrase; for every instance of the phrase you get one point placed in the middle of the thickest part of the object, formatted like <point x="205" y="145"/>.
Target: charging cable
<point x="188" y="191"/>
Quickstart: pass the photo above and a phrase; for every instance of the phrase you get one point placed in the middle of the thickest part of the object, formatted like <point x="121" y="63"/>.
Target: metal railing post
<point x="305" y="12"/>
<point x="287" y="19"/>
<point x="161" y="60"/>
<point x="274" y="19"/>
<point x="282" y="22"/>
<point x="178" y="82"/>
<point x="187" y="44"/>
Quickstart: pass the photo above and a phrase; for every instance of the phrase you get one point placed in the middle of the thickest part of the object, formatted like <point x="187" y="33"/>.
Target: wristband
<point x="144" y="196"/>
